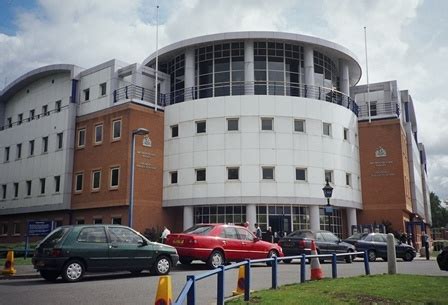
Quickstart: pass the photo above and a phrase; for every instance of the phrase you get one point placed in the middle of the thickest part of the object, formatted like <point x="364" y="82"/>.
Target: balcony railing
<point x="237" y="88"/>
<point x="380" y="110"/>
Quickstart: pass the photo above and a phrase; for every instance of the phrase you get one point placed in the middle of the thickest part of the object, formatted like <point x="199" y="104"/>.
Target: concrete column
<point x="309" y="65"/>
<point x="251" y="216"/>
<point x="351" y="219"/>
<point x="314" y="217"/>
<point x="189" y="73"/>
<point x="344" y="77"/>
<point x="188" y="217"/>
<point x="249" y="67"/>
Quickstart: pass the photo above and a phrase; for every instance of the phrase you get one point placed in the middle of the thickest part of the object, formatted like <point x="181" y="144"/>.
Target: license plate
<point x="178" y="241"/>
<point x="40" y="264"/>
<point x="287" y="244"/>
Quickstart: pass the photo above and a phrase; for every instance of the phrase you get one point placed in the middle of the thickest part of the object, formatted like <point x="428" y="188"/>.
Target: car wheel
<point x="371" y="255"/>
<point x="349" y="258"/>
<point x="271" y="253"/>
<point x="215" y="259"/>
<point x="73" y="271"/>
<point x="49" y="275"/>
<point x="162" y="266"/>
<point x="185" y="261"/>
<point x="287" y="261"/>
<point x="408" y="257"/>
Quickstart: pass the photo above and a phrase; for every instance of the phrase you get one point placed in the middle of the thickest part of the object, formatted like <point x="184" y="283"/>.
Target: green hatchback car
<point x="70" y="251"/>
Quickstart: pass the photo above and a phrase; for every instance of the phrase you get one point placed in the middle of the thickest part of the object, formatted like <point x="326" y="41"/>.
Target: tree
<point x="439" y="213"/>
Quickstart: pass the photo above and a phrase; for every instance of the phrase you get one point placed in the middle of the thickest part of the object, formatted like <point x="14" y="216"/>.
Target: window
<point x="80" y="221"/>
<point x="16" y="228"/>
<point x="200" y="175"/>
<point x="6" y="154"/>
<point x="79" y="182"/>
<point x="329" y="176"/>
<point x="268" y="173"/>
<point x="45" y="110"/>
<point x="97" y="221"/>
<point x="346" y="134"/>
<point x="267" y="123"/>
<point x="92" y="235"/>
<point x="16" y="190"/>
<point x="326" y="129"/>
<point x="32" y="114"/>
<point x="233" y="173"/>
<point x="103" y="88"/>
<point x="232" y="124"/>
<point x="19" y="151"/>
<point x="348" y="179"/>
<point x="299" y="125"/>
<point x="4" y="189"/>
<point x="31" y="147"/>
<point x="116" y="220"/>
<point x="86" y="94"/>
<point x="121" y="235"/>
<point x="60" y="137"/>
<point x="9" y="122"/>
<point x="81" y="137"/>
<point x="174" y="131"/>
<point x="173" y="176"/>
<point x="42" y="185"/>
<point x="57" y="184"/>
<point x="96" y="180"/>
<point x="19" y="119"/>
<point x="201" y="127"/>
<point x="98" y="133"/>
<point x="28" y="188"/>
<point x="114" y="177"/>
<point x="45" y="144"/>
<point x="4" y="229"/>
<point x="116" y="129"/>
<point x="300" y="174"/>
<point x="57" y="106"/>
<point x="373" y="109"/>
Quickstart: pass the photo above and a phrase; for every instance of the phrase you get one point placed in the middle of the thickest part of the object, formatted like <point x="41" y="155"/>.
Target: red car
<point x="216" y="244"/>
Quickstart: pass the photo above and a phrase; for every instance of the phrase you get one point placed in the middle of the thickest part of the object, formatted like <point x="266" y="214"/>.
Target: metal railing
<point x="382" y="110"/>
<point x="188" y="292"/>
<point x="237" y="88"/>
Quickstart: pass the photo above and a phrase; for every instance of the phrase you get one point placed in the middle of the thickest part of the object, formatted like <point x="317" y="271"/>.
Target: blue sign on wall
<point x="39" y="228"/>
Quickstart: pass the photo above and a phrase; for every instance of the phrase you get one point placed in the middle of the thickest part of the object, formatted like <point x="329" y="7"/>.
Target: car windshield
<point x="357" y="236"/>
<point x="54" y="237"/>
<point x="301" y="234"/>
<point x="199" y="230"/>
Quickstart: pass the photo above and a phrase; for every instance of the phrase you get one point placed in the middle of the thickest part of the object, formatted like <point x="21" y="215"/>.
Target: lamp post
<point x="141" y="132"/>
<point x="328" y="191"/>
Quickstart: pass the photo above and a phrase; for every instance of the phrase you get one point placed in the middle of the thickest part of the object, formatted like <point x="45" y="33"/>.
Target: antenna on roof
<point x="367" y="75"/>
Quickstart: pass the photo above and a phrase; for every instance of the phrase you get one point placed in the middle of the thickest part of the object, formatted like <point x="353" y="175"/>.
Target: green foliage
<point x="439" y="213"/>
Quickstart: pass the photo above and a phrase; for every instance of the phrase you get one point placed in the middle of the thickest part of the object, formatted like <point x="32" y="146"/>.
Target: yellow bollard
<point x="240" y="283"/>
<point x="164" y="291"/>
<point x="9" y="264"/>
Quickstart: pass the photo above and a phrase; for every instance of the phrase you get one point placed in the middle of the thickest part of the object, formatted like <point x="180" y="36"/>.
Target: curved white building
<point x="254" y="124"/>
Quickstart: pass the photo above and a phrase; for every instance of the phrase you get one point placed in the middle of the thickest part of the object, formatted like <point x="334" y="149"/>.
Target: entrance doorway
<point x="280" y="224"/>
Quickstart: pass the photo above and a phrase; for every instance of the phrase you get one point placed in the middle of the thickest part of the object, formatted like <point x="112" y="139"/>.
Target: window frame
<point x="7" y="153"/>
<point x="103" y="89"/>
<point x="43" y="186"/>
<point x="198" y="171"/>
<point x="229" y="120"/>
<point x="79" y="131"/>
<point x="96" y="171"/>
<point x="4" y="191"/>
<point x="60" y="140"/>
<point x="95" y="140"/>
<point x="57" y="184"/>
<point x="29" y="186"/>
<point x="305" y="174"/>
<point x="18" y="151"/>
<point x="16" y="190"/>
<point x="229" y="169"/>
<point x="324" y="124"/>
<point x="86" y="94"/>
<point x="348" y="180"/>
<point x="114" y="187"/>
<point x="331" y="180"/>
<point x="58" y="106"/>
<point x="346" y="134"/>
<point x="303" y="125"/>
<point x="198" y="129"/>
<point x="79" y="174"/>
<point x="263" y="168"/>
<point x="174" y="130"/>
<point x="263" y="119"/>
<point x="45" y="145"/>
<point x="31" y="146"/>
<point x="113" y="129"/>
<point x="172" y="175"/>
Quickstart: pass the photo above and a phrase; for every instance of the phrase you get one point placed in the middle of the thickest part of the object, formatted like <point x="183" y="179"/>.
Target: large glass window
<point x="176" y="69"/>
<point x="326" y="74"/>
<point x="331" y="222"/>
<point x="231" y="214"/>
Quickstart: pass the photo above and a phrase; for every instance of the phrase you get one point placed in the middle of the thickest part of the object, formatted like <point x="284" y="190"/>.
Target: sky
<point x="407" y="41"/>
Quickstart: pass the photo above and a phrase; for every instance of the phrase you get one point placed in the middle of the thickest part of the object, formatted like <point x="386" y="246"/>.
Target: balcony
<point x="379" y="111"/>
<point x="236" y="88"/>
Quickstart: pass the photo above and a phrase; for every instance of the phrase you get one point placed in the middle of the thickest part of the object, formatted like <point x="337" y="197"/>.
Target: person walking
<point x="257" y="231"/>
<point x="165" y="234"/>
<point x="268" y="236"/>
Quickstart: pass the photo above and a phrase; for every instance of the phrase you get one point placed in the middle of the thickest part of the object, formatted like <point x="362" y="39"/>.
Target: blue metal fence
<point x="188" y="292"/>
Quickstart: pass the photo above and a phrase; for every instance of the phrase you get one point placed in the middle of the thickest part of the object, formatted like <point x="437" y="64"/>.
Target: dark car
<point x="70" y="251"/>
<point x="216" y="244"/>
<point x="299" y="242"/>
<point x="355" y="237"/>
<point x="376" y="246"/>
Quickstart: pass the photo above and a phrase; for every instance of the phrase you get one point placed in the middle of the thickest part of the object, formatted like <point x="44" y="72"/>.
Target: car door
<point x="248" y="244"/>
<point x="128" y="250"/>
<point x="380" y="241"/>
<point x="91" y="244"/>
<point x="332" y="242"/>
<point x="323" y="246"/>
<point x="230" y="242"/>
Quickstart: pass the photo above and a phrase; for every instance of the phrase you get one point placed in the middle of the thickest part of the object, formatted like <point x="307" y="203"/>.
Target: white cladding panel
<point x="96" y="100"/>
<point x="251" y="148"/>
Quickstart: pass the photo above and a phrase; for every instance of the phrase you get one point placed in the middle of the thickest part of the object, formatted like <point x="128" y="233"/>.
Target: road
<point x="125" y="289"/>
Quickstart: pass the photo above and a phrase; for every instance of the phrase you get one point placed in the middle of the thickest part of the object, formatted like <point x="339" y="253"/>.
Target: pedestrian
<point x="165" y="234"/>
<point x="410" y="241"/>
<point x="403" y="237"/>
<point x="269" y="237"/>
<point x="257" y="231"/>
<point x="425" y="243"/>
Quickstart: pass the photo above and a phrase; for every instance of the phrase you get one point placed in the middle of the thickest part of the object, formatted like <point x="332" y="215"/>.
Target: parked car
<point x="355" y="237"/>
<point x="376" y="246"/>
<point x="216" y="244"/>
<point x="299" y="242"/>
<point x="70" y="251"/>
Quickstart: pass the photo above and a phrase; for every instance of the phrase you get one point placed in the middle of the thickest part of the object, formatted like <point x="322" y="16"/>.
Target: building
<point x="246" y="126"/>
<point x="393" y="162"/>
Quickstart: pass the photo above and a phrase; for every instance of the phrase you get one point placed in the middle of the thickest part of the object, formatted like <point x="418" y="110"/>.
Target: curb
<point x="19" y="277"/>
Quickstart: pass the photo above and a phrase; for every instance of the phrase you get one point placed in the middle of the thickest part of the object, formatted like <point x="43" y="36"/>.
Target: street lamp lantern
<point x="140" y="132"/>
<point x="328" y="191"/>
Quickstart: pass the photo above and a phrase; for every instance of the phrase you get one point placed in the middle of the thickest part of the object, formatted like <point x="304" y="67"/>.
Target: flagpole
<point x="157" y="59"/>
<point x="367" y="75"/>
